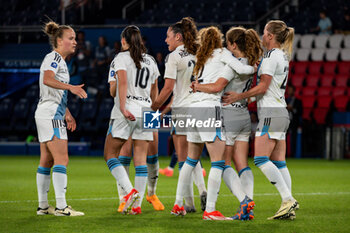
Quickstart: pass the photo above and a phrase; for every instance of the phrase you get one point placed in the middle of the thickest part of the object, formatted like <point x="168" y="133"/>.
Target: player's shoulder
<point x="221" y="52"/>
<point x="174" y="54"/>
<point x="273" y="53"/>
<point x="122" y="54"/>
<point x="172" y="57"/>
<point x="149" y="58"/>
<point x="53" y="57"/>
<point x="224" y="51"/>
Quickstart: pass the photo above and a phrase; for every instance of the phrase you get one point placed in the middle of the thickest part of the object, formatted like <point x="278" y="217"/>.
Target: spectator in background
<point x="102" y="55"/>
<point x="115" y="51"/>
<point x="295" y="109"/>
<point x="160" y="63"/>
<point x="83" y="54"/>
<point x="324" y="26"/>
<point x="344" y="25"/>
<point x="72" y="64"/>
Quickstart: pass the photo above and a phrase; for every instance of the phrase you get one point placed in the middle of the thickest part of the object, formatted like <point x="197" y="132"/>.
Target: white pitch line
<point x="168" y="197"/>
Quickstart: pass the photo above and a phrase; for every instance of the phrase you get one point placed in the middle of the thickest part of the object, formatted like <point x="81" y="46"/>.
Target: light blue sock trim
<point x="218" y="164"/>
<point x="191" y="162"/>
<point x="152" y="159"/>
<point x="44" y="170"/>
<point x="180" y="165"/>
<point x="113" y="163"/>
<point x="60" y="169"/>
<point x="141" y="170"/>
<point x="260" y="160"/>
<point x="243" y="170"/>
<point x="279" y="164"/>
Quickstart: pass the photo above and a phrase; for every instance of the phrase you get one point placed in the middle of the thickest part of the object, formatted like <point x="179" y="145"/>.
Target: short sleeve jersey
<point x="112" y="76"/>
<point x="213" y="70"/>
<point x="237" y="83"/>
<point x="139" y="82"/>
<point x="179" y="65"/>
<point x="274" y="63"/>
<point x="53" y="102"/>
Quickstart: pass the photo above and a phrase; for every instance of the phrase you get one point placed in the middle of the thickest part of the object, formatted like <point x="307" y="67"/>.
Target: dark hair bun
<point x="51" y="28"/>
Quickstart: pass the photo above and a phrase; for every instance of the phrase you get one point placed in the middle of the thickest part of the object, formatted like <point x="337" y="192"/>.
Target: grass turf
<point x="322" y="188"/>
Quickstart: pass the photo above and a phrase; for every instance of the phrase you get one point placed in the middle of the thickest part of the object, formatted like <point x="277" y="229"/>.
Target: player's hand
<point x="128" y="115"/>
<point x="230" y="97"/>
<point x="194" y="86"/>
<point x="78" y="90"/>
<point x="71" y="124"/>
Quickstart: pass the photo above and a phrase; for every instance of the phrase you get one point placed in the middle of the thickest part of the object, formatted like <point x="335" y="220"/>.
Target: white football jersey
<point x="112" y="76"/>
<point x="274" y="63"/>
<point x="53" y="102"/>
<point x="179" y="65"/>
<point x="139" y="82"/>
<point x="212" y="71"/>
<point x="237" y="83"/>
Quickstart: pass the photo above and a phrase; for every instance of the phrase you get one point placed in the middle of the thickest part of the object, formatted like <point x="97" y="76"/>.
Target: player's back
<point x="139" y="81"/>
<point x="210" y="73"/>
<point x="237" y="83"/>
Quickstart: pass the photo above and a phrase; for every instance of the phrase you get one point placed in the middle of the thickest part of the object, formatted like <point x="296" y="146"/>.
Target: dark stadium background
<point x="319" y="70"/>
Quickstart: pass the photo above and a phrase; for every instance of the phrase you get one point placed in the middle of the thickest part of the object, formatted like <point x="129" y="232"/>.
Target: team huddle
<point x="208" y="81"/>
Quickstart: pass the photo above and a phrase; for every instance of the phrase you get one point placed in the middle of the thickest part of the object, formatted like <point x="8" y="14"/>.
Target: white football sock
<point x="43" y="179"/>
<point x="247" y="181"/>
<point x="287" y="178"/>
<point x="199" y="179"/>
<point x="214" y="182"/>
<point x="59" y="180"/>
<point x="153" y="171"/>
<point x="188" y="193"/>
<point x="282" y="167"/>
<point x="233" y="182"/>
<point x="119" y="173"/>
<point x="184" y="181"/>
<point x="274" y="176"/>
<point x="140" y="183"/>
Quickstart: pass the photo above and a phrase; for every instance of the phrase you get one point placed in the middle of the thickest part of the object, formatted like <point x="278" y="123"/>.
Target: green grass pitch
<point x="322" y="188"/>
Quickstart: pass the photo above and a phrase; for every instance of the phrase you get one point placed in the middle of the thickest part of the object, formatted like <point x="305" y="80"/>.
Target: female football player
<point x="246" y="46"/>
<point x="181" y="40"/>
<point x="211" y="58"/>
<point x="49" y="117"/>
<point x="135" y="73"/>
<point x="270" y="144"/>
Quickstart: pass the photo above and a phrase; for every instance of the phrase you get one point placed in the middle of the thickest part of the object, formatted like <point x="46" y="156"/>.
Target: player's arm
<point x="122" y="90"/>
<point x="154" y="91"/>
<point x="216" y="87"/>
<point x="237" y="66"/>
<point x="113" y="88"/>
<point x="167" y="108"/>
<point x="164" y="94"/>
<point x="260" y="89"/>
<point x="71" y="124"/>
<point x="49" y="80"/>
